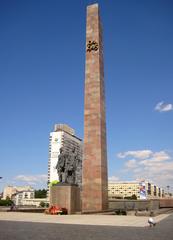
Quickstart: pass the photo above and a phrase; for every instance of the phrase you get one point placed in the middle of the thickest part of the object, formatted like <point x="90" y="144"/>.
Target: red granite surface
<point x="94" y="188"/>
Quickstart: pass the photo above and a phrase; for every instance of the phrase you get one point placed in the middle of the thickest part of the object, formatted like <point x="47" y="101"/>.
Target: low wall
<point x="166" y="203"/>
<point x="141" y="205"/>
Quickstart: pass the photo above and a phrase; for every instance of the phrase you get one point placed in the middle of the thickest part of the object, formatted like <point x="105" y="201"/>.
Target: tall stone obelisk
<point x="94" y="183"/>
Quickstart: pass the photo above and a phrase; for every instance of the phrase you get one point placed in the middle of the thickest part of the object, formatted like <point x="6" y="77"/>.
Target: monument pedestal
<point x="66" y="196"/>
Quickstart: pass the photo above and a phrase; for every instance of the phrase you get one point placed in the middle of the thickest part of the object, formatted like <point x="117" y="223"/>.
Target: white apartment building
<point x="35" y="202"/>
<point x="142" y="190"/>
<point x="62" y="136"/>
<point x="11" y="190"/>
<point x="26" y="198"/>
<point x="19" y="197"/>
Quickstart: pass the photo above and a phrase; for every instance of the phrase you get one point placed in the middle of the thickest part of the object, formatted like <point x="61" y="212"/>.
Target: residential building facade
<point x="142" y="190"/>
<point x="11" y="190"/>
<point x="19" y="197"/>
<point x="35" y="202"/>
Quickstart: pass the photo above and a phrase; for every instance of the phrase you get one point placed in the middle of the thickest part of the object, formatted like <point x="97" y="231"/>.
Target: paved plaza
<point x="23" y="226"/>
<point x="109" y="220"/>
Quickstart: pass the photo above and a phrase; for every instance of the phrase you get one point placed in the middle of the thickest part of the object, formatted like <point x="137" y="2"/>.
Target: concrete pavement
<point x="15" y="230"/>
<point x="107" y="220"/>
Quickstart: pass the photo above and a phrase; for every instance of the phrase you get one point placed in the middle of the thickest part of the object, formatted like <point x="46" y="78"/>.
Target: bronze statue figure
<point x="70" y="167"/>
<point x="67" y="165"/>
<point x="60" y="166"/>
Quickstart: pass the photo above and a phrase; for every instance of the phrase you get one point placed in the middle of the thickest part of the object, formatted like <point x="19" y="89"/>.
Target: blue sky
<point x="42" y="63"/>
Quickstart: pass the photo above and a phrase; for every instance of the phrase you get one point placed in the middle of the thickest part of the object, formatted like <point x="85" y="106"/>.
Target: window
<point x="32" y="195"/>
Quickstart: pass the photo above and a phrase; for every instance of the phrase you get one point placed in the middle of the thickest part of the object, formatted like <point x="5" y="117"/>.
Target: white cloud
<point x="163" y="107"/>
<point x="156" y="159"/>
<point x="32" y="179"/>
<point x="141" y="154"/>
<point x="156" y="166"/>
<point x="161" y="156"/>
<point x="131" y="164"/>
<point x="113" y="179"/>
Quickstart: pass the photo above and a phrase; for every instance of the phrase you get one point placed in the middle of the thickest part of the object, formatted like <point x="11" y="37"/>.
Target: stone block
<point x="67" y="196"/>
<point x="94" y="185"/>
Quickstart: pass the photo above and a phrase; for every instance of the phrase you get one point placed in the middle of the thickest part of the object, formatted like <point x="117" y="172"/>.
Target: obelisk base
<point x="66" y="196"/>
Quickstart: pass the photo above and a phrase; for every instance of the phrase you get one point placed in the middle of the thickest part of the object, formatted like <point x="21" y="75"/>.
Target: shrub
<point x="133" y="197"/>
<point x="6" y="202"/>
<point x="40" y="193"/>
<point x="42" y="204"/>
<point x="47" y="205"/>
<point x="120" y="212"/>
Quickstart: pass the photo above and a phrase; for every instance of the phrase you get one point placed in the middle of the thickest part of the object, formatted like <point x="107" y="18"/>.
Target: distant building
<point x="35" y="202"/>
<point x="1" y="195"/>
<point x="62" y="136"/>
<point x="142" y="190"/>
<point x="26" y="198"/>
<point x="11" y="190"/>
<point x="20" y="196"/>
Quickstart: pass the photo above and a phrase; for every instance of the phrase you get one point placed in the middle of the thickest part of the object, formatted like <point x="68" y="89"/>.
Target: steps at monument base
<point x="103" y="212"/>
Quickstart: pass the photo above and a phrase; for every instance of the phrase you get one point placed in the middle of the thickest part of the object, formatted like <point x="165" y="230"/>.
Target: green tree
<point x="40" y="193"/>
<point x="134" y="197"/>
<point x="6" y="202"/>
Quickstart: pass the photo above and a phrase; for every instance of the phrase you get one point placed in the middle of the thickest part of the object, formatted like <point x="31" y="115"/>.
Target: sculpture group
<point x="67" y="165"/>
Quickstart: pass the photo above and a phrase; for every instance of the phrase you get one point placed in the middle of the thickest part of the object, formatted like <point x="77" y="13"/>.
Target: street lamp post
<point x="168" y="189"/>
